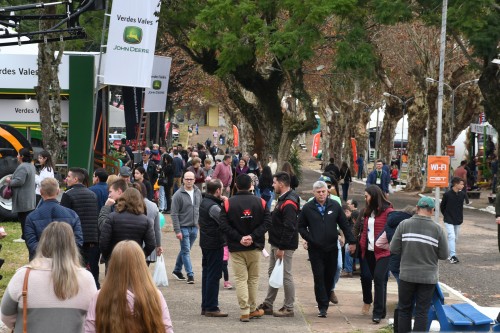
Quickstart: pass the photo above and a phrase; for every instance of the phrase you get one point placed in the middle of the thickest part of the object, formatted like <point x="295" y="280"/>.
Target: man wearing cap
<point x="125" y="173"/>
<point x="421" y="242"/>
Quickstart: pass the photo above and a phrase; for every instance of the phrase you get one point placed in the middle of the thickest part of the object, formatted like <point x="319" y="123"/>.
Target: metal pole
<point x="439" y="129"/>
<point x="452" y="125"/>
<point x="376" y="135"/>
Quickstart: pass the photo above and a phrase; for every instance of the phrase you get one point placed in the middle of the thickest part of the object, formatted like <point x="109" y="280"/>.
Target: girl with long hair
<point x="128" y="300"/>
<point x="141" y="176"/>
<point x="375" y="260"/>
<point x="294" y="180"/>
<point x="57" y="283"/>
<point x="345" y="179"/>
<point x="46" y="171"/>
<point x="266" y="186"/>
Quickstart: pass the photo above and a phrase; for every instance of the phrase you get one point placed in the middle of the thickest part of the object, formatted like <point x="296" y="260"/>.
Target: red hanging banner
<point x="315" y="146"/>
<point x="354" y="153"/>
<point x="236" y="136"/>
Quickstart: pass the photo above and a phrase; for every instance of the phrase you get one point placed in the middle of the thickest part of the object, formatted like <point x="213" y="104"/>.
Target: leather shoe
<point x="366" y="309"/>
<point x="217" y="313"/>
<point x="333" y="298"/>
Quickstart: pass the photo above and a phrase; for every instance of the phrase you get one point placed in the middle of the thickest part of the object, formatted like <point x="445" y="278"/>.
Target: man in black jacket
<point x="84" y="202"/>
<point x="452" y="208"/>
<point x="244" y="220"/>
<point x="212" y="248"/>
<point x="333" y="169"/>
<point x="318" y="223"/>
<point x="284" y="240"/>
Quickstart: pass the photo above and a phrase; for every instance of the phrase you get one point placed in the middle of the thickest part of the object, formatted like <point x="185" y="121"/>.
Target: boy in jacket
<point x="318" y="226"/>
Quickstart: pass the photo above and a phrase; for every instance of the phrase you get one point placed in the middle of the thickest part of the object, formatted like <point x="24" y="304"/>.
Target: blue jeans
<point x="360" y="172"/>
<point x="345" y="190"/>
<point x="453" y="232"/>
<point x="189" y="235"/>
<point x="348" y="260"/>
<point x="339" y="266"/>
<point x="211" y="264"/>
<point x="161" y="199"/>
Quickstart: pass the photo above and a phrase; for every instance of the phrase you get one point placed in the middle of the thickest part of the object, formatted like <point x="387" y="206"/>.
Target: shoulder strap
<point x="25" y="300"/>
<point x="263" y="202"/>
<point x="289" y="202"/>
<point x="226" y="205"/>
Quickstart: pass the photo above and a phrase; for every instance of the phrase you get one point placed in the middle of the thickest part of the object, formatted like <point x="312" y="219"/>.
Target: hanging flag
<point x="354" y="153"/>
<point x="131" y="43"/>
<point x="155" y="99"/>
<point x="167" y="127"/>
<point x="236" y="136"/>
<point x="315" y="146"/>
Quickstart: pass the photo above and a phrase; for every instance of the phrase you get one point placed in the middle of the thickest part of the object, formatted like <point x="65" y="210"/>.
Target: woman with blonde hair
<point x="128" y="300"/>
<point x="58" y="287"/>
<point x="128" y="222"/>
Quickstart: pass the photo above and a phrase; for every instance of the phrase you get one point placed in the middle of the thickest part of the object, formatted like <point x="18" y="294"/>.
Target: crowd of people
<point x="227" y="200"/>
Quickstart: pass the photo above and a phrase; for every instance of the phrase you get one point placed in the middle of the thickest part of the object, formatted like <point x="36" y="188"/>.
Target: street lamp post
<point x="370" y="108"/>
<point x="453" y="91"/>
<point x="404" y="101"/>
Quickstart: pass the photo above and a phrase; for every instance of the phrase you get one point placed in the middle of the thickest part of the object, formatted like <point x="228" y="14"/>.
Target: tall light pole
<point x="404" y="101"/>
<point x="453" y="91"/>
<point x="370" y="108"/>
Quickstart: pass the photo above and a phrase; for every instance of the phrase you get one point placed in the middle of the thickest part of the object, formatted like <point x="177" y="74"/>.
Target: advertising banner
<point x="236" y="136"/>
<point x="155" y="99"/>
<point x="438" y="171"/>
<point x="354" y="153"/>
<point x="20" y="71"/>
<point x="27" y="111"/>
<point x="131" y="43"/>
<point x="315" y="147"/>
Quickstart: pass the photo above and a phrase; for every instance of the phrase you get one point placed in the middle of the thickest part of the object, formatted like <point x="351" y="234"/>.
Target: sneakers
<point x="179" y="276"/>
<point x="245" y="318"/>
<point x="366" y="309"/>
<point x="283" y="312"/>
<point x="453" y="260"/>
<point x="257" y="313"/>
<point x="322" y="314"/>
<point x="345" y="274"/>
<point x="333" y="298"/>
<point x="376" y="320"/>
<point x="19" y="240"/>
<point x="190" y="280"/>
<point x="228" y="285"/>
<point x="268" y="310"/>
<point x="217" y="313"/>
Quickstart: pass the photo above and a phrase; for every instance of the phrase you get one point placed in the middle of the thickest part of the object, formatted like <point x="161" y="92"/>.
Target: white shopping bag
<point x="276" y="278"/>
<point x="160" y="273"/>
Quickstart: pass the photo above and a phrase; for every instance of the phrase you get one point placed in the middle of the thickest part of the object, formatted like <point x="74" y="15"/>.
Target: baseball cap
<point x="325" y="179"/>
<point x="426" y="202"/>
<point x="125" y="171"/>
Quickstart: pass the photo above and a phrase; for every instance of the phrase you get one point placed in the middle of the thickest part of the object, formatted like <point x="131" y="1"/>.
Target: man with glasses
<point x="185" y="213"/>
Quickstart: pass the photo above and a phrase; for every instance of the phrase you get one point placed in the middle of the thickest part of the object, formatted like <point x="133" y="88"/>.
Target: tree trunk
<point x="417" y="117"/>
<point x="48" y="94"/>
<point x="388" y="131"/>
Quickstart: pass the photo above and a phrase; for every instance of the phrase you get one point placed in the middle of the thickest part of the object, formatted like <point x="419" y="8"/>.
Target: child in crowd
<point x="227" y="284"/>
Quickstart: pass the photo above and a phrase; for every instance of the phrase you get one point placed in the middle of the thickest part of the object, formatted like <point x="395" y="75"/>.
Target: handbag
<point x="6" y="192"/>
<point x="160" y="273"/>
<point x="342" y="180"/>
<point x="276" y="278"/>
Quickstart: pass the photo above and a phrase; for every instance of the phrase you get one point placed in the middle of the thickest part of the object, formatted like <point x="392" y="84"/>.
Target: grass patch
<point x="15" y="254"/>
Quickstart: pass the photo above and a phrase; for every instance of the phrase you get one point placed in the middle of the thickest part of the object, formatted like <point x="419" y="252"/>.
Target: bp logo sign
<point x="156" y="84"/>
<point x="132" y="35"/>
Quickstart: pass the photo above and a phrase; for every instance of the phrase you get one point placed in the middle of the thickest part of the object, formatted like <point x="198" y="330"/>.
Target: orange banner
<point x="236" y="136"/>
<point x="167" y="127"/>
<point x="438" y="170"/>
<point x="354" y="153"/>
<point x="315" y="147"/>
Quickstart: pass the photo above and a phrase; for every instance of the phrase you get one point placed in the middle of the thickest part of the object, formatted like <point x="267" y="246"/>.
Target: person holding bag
<point x="345" y="180"/>
<point x="58" y="289"/>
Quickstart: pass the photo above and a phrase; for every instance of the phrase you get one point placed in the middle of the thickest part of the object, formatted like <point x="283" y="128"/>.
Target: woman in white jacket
<point x="46" y="171"/>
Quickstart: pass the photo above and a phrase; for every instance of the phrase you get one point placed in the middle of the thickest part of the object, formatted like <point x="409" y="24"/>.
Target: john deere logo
<point x="132" y="35"/>
<point x="156" y="84"/>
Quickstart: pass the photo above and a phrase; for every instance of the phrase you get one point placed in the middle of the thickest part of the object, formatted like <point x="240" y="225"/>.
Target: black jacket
<point x="333" y="169"/>
<point x="211" y="237"/>
<point x="284" y="232"/>
<point x="127" y="226"/>
<point x="243" y="215"/>
<point x="321" y="231"/>
<point x="84" y="202"/>
<point x="452" y="207"/>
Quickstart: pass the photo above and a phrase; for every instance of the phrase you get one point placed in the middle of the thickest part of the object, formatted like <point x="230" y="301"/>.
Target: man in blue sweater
<point x="379" y="177"/>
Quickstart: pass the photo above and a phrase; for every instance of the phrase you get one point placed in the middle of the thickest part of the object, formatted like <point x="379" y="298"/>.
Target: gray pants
<point x="288" y="284"/>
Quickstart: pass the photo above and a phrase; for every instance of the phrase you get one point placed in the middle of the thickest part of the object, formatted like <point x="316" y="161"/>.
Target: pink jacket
<point x="226" y="253"/>
<point x="90" y="320"/>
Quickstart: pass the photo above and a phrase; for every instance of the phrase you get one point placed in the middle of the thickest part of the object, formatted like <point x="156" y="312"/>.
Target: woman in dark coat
<point x="345" y="179"/>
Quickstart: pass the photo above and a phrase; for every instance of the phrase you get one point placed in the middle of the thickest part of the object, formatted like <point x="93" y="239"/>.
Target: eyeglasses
<point x="189" y="179"/>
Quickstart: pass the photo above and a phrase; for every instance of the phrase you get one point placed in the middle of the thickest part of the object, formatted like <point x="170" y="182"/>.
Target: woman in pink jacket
<point x="375" y="260"/>
<point x="128" y="293"/>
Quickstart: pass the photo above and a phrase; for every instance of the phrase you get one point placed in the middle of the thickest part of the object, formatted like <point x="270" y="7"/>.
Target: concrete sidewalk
<point x="184" y="300"/>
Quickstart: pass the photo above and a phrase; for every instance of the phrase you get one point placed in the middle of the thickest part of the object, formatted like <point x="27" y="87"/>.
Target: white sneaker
<point x="19" y="240"/>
